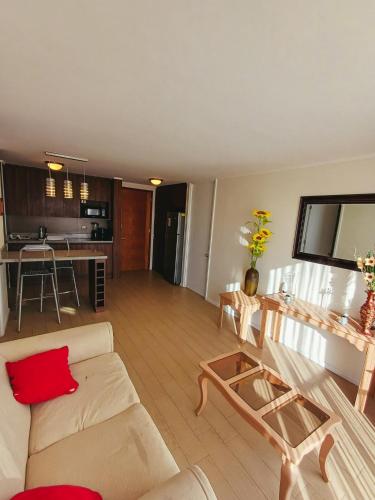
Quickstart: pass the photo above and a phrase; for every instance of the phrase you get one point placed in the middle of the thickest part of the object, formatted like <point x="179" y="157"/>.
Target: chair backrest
<point x="35" y="248"/>
<point x="58" y="239"/>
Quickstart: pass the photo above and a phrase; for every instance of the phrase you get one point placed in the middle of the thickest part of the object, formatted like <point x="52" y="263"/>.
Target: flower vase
<point x="368" y="313"/>
<point x="251" y="281"/>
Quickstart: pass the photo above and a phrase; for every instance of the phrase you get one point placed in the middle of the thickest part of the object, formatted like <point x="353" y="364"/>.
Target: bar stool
<point x="64" y="264"/>
<point x="41" y="271"/>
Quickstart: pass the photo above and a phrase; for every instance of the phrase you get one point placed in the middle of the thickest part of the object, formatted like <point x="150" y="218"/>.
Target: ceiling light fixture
<point x="155" y="181"/>
<point x="52" y="165"/>
<point x="67" y="157"/>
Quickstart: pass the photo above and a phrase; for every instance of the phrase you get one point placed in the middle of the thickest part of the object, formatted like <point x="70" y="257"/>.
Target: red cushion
<point x="42" y="376"/>
<point x="58" y="493"/>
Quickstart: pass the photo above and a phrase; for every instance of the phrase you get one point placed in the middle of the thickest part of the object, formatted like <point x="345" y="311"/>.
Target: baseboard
<point x="215" y="303"/>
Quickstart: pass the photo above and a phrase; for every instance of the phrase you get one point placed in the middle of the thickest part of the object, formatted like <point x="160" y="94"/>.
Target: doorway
<point x="136" y="211"/>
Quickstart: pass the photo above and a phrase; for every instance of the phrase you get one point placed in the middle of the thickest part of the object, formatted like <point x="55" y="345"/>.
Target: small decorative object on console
<point x="367" y="311"/>
<point x="343" y="319"/>
<point x="259" y="236"/>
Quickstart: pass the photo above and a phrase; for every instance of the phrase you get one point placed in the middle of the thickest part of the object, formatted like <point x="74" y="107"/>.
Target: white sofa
<point x="100" y="437"/>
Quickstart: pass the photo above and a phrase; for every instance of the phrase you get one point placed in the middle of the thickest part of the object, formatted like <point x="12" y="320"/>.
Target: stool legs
<point x="41" y="297"/>
<point x="19" y="308"/>
<point x="55" y="294"/>
<point x="75" y="287"/>
<point x="41" y="294"/>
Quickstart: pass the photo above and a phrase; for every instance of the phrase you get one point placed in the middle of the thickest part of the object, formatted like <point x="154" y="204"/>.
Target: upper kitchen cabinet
<point x="15" y="189"/>
<point x="25" y="192"/>
<point x="36" y="182"/>
<point x="99" y="189"/>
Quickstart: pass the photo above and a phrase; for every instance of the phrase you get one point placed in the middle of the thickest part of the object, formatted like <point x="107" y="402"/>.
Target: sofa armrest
<point x="189" y="484"/>
<point x="84" y="342"/>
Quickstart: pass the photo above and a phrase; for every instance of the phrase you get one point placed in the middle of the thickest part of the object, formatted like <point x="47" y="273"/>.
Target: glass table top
<point x="260" y="388"/>
<point x="296" y="420"/>
<point x="233" y="365"/>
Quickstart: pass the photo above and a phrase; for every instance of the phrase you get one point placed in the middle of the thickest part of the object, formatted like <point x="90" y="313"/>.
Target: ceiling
<point x="187" y="89"/>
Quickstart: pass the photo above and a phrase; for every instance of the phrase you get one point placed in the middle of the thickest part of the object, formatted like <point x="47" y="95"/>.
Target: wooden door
<point x="135" y="229"/>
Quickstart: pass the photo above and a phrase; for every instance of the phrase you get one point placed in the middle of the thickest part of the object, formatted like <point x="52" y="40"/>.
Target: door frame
<point x="188" y="210"/>
<point x="145" y="187"/>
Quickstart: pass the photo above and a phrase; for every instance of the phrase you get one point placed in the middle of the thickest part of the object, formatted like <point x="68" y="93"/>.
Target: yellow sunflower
<point x="262" y="213"/>
<point x="266" y="233"/>
<point x="258" y="238"/>
<point x="262" y="248"/>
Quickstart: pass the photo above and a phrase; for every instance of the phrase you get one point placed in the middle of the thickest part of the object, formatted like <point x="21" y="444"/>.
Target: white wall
<point x="200" y="226"/>
<point x="280" y="193"/>
<point x="4" y="310"/>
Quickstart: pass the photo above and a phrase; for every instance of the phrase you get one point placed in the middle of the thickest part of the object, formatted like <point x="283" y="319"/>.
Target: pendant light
<point x="84" y="191"/>
<point x="50" y="186"/>
<point x="68" y="187"/>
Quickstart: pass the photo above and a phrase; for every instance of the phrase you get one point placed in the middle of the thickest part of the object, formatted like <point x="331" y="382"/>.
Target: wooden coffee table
<point x="293" y="423"/>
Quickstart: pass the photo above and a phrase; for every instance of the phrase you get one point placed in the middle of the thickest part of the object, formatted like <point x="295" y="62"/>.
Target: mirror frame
<point x="326" y="199"/>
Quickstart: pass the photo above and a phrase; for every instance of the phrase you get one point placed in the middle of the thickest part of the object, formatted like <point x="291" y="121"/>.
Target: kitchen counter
<point x="72" y="241"/>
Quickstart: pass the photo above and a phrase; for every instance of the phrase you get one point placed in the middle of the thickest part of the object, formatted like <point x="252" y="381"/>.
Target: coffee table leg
<point x="202" y="381"/>
<point x="324" y="450"/>
<point x="287" y="478"/>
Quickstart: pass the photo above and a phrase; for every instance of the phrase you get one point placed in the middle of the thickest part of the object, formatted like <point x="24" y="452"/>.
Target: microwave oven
<point x="94" y="210"/>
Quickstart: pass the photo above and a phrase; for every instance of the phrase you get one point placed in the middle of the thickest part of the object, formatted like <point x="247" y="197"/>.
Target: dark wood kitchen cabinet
<point x="36" y="185"/>
<point x="24" y="189"/>
<point x="82" y="266"/>
<point x="15" y="190"/>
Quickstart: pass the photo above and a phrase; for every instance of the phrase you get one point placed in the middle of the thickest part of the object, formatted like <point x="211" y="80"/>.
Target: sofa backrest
<point x="14" y="438"/>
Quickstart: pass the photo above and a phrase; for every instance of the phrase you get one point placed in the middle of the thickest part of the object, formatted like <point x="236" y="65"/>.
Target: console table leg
<point x="244" y="324"/>
<point x="221" y="315"/>
<point x="202" y="381"/>
<point x="263" y="326"/>
<point x="366" y="378"/>
<point x="276" y="327"/>
<point x="287" y="478"/>
<point x="324" y="450"/>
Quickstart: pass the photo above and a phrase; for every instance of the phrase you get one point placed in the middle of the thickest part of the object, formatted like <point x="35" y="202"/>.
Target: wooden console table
<point x="324" y="320"/>
<point x="244" y="305"/>
<point x="290" y="421"/>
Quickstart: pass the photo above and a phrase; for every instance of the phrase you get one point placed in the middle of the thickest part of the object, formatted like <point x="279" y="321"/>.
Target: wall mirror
<point x="332" y="230"/>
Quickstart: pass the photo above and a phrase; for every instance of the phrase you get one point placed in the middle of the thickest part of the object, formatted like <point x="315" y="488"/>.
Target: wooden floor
<point x="161" y="333"/>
